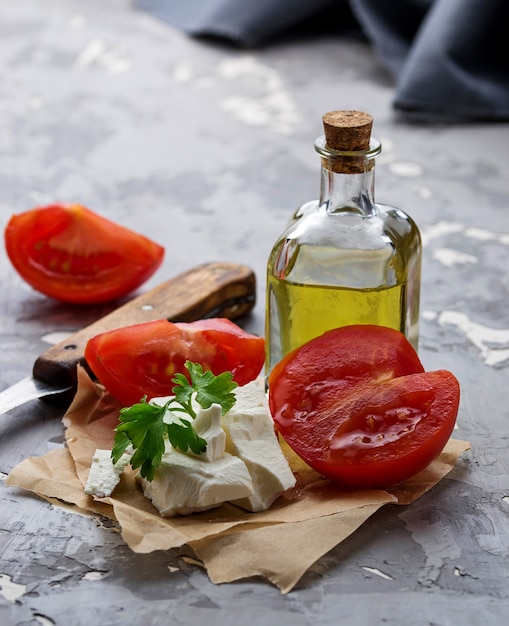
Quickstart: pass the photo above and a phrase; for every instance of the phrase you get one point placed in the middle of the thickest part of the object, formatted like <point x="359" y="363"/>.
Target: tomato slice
<point x="358" y="407"/>
<point x="142" y="359"/>
<point x="72" y="254"/>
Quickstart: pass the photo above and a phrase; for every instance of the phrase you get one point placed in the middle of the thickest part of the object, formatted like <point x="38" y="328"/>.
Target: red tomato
<point x="142" y="359"/>
<point x="74" y="255"/>
<point x="358" y="407"/>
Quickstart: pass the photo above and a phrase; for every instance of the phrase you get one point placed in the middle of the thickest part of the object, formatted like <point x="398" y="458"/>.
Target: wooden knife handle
<point x="209" y="290"/>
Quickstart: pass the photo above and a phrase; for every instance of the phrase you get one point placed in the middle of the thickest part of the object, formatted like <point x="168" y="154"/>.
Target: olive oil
<point x="343" y="259"/>
<point x="306" y="311"/>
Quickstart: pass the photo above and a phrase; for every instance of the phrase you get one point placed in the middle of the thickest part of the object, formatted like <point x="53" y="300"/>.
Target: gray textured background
<point x="208" y="149"/>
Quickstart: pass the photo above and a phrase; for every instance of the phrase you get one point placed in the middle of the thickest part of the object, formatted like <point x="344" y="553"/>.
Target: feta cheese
<point x="184" y="484"/>
<point x="251" y="437"/>
<point x="104" y="475"/>
<point x="243" y="462"/>
<point x="160" y="400"/>
<point x="207" y="425"/>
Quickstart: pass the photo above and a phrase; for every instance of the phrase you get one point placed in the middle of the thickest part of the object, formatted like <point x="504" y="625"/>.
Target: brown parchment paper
<point x="279" y="544"/>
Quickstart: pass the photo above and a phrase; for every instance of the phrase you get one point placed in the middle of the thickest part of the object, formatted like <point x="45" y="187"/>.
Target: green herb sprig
<point x="146" y="426"/>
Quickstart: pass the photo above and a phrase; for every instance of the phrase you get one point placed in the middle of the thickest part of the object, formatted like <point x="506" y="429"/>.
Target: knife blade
<point x="208" y="290"/>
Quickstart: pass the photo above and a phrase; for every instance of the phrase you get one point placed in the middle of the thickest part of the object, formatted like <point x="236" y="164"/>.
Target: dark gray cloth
<point x="447" y="57"/>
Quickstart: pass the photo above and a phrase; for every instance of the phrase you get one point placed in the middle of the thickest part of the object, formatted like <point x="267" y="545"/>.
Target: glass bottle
<point x="343" y="259"/>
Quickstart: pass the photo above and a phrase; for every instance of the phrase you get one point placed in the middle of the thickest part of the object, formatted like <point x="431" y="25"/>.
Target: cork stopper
<point x="348" y="131"/>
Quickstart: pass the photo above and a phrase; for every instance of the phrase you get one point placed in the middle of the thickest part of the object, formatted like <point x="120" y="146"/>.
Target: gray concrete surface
<point x="208" y="149"/>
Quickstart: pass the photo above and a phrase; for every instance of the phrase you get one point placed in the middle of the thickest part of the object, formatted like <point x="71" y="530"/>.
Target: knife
<point x="208" y="290"/>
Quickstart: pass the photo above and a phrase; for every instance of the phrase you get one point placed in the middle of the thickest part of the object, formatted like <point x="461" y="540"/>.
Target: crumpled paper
<point x="230" y="543"/>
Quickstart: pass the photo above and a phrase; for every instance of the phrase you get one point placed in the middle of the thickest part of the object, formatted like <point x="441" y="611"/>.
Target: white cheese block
<point x="185" y="484"/>
<point x="243" y="462"/>
<point x="250" y="436"/>
<point x="207" y="425"/>
<point x="104" y="475"/>
<point x="160" y="400"/>
<point x="251" y="397"/>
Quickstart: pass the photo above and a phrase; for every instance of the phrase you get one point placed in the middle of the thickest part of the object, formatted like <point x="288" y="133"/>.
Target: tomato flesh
<point x="358" y="407"/>
<point x="72" y="254"/>
<point x="142" y="359"/>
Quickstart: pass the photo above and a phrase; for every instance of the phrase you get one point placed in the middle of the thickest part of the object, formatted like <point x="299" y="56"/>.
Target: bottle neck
<point x="347" y="179"/>
<point x="352" y="193"/>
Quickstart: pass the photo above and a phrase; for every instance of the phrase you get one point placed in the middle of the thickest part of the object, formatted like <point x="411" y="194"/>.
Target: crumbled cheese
<point x="104" y="475"/>
<point x="243" y="462"/>
<point x="207" y="425"/>
<point x="251" y="437"/>
<point x="184" y="484"/>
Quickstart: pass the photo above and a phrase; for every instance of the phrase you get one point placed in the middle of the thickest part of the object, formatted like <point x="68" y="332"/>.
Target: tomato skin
<point x="142" y="359"/>
<point x="74" y="255"/>
<point x="356" y="405"/>
<point x="345" y="354"/>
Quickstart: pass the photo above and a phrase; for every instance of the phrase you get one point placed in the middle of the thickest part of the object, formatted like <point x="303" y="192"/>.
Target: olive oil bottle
<point x="343" y="259"/>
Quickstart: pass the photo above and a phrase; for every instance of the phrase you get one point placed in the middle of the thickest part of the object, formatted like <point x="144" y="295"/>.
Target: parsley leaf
<point x="145" y="427"/>
<point x="183" y="436"/>
<point x="209" y="389"/>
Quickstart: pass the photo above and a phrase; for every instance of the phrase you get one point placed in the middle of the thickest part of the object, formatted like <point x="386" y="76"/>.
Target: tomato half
<point x="358" y="407"/>
<point x="72" y="254"/>
<point x="142" y="359"/>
